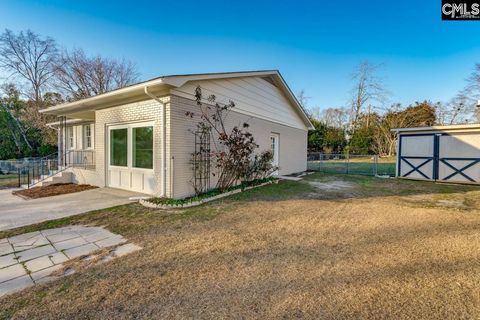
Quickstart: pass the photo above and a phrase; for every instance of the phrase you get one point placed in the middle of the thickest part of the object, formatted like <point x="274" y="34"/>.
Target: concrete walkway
<point x="16" y="212"/>
<point x="40" y="256"/>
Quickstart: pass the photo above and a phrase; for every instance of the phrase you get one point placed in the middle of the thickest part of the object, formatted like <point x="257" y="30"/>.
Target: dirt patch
<point x="336" y="185"/>
<point x="458" y="202"/>
<point x="52" y="190"/>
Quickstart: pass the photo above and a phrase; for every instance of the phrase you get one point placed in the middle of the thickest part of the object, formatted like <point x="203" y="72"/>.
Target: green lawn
<point x="8" y="180"/>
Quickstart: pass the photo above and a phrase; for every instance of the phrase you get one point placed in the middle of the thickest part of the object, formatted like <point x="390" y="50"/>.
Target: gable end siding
<point x="253" y="96"/>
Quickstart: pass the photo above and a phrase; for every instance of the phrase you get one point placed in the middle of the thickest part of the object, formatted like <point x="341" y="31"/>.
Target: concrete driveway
<point x="16" y="212"/>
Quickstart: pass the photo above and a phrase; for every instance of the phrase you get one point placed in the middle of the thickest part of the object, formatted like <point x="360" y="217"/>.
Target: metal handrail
<point x="44" y="167"/>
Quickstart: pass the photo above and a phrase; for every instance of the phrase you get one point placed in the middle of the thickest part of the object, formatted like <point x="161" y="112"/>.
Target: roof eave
<point x="457" y="127"/>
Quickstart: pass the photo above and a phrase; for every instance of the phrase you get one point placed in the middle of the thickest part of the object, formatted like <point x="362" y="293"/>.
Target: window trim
<point x="71" y="137"/>
<point x="85" y="137"/>
<point x="129" y="127"/>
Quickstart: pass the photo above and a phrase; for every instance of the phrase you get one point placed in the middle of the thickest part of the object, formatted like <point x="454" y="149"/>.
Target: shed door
<point x="416" y="156"/>
<point x="130" y="157"/>
<point x="459" y="157"/>
<point x="440" y="157"/>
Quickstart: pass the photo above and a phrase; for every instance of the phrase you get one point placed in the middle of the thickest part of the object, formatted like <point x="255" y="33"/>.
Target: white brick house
<point x="139" y="138"/>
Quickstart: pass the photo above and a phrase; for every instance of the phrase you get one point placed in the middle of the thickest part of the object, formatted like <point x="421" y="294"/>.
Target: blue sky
<point x="315" y="44"/>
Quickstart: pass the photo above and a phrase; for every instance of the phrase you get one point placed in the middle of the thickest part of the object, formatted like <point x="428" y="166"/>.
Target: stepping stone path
<point x="37" y="257"/>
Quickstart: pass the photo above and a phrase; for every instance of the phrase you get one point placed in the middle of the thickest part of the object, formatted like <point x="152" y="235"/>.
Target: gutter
<point x="164" y="144"/>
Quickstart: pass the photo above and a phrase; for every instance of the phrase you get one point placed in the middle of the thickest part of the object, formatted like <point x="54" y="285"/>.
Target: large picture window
<point x="119" y="147"/>
<point x="142" y="147"/>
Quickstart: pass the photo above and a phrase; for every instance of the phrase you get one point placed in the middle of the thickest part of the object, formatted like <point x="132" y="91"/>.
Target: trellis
<point x="201" y="161"/>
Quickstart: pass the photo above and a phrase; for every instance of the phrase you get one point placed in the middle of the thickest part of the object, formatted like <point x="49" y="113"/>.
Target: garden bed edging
<point x="149" y="204"/>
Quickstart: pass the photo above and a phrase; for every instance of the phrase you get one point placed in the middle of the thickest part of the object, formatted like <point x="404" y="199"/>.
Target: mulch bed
<point x="52" y="190"/>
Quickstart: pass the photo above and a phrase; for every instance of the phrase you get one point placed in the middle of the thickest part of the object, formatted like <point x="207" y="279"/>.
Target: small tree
<point x="233" y="150"/>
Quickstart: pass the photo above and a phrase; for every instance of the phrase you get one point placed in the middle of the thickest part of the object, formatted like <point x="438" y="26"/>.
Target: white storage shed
<point x="439" y="153"/>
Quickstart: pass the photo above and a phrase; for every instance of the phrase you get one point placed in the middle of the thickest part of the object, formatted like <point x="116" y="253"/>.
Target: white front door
<point x="130" y="157"/>
<point x="274" y="143"/>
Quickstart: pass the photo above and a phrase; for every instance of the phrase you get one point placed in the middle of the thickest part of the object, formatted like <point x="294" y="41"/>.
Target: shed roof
<point x="455" y="127"/>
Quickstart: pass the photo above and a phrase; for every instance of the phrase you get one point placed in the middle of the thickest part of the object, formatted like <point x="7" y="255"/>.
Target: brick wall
<point x="149" y="110"/>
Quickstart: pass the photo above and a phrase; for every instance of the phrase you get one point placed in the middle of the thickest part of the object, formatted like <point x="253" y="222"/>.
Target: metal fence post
<point x="320" y="156"/>
<point x="347" y="159"/>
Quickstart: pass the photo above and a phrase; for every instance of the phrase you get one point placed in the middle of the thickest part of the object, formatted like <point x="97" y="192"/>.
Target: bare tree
<point x="367" y="88"/>
<point x="417" y="115"/>
<point x="460" y="109"/>
<point x="335" y="117"/>
<point x="30" y="57"/>
<point x="470" y="96"/>
<point x="79" y="76"/>
<point x="303" y="99"/>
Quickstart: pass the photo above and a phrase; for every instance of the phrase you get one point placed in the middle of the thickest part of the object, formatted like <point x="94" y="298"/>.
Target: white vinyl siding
<point x="253" y="96"/>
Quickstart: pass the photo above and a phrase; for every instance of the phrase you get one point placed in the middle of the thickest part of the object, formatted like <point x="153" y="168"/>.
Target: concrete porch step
<point x="56" y="177"/>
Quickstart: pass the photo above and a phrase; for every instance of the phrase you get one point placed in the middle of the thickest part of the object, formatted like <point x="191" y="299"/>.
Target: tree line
<point x="36" y="73"/>
<point x="364" y="125"/>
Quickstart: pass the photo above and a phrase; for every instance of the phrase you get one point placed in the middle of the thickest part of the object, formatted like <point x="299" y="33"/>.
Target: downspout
<point x="164" y="144"/>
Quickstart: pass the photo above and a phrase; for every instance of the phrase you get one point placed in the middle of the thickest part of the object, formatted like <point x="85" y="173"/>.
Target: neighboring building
<point x="139" y="137"/>
<point x="439" y="153"/>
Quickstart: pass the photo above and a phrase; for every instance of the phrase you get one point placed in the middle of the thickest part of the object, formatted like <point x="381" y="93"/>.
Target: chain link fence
<point x="372" y="165"/>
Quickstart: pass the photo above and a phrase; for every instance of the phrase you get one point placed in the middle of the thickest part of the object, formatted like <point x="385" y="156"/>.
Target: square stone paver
<point x="58" y="257"/>
<point x="49" y="232"/>
<point x="126" y="249"/>
<point x="112" y="241"/>
<point x="45" y="272"/>
<point x="98" y="235"/>
<point x="35" y="253"/>
<point x="68" y="244"/>
<point x="38" y="264"/>
<point x="4" y="240"/>
<point x="7" y="260"/>
<point x="23" y="237"/>
<point x="35" y="241"/>
<point x="12" y="272"/>
<point x="81" y="251"/>
<point x="5" y="248"/>
<point x="15" y="285"/>
<point x="63" y="236"/>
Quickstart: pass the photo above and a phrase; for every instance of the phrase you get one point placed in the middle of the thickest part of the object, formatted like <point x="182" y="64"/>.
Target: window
<point x="87" y="129"/>
<point x="142" y="147"/>
<point x="119" y="147"/>
<point x="70" y="137"/>
<point x="274" y="139"/>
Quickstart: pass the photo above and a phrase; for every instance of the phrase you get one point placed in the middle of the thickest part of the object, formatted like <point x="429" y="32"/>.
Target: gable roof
<point x="137" y="91"/>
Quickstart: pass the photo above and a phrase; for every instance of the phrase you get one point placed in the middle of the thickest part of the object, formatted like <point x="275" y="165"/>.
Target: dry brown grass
<point x="286" y="251"/>
<point x="52" y="190"/>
